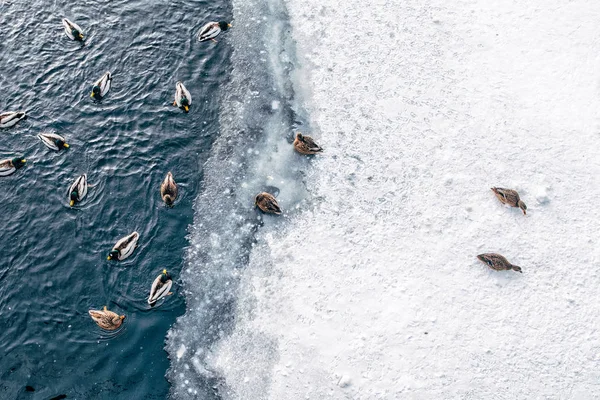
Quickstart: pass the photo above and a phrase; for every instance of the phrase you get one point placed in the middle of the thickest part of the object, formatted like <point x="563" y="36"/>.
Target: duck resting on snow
<point x="9" y="166"/>
<point x="10" y="118"/>
<point x="168" y="189"/>
<point x="107" y="320"/>
<point x="160" y="287"/>
<point x="183" y="98"/>
<point x="73" y="31"/>
<point x="498" y="262"/>
<point x="306" y="145"/>
<point x="211" y="30"/>
<point x="101" y="86"/>
<point x="124" y="247"/>
<point x="267" y="203"/>
<point x="78" y="190"/>
<point x="53" y="141"/>
<point x="510" y="197"/>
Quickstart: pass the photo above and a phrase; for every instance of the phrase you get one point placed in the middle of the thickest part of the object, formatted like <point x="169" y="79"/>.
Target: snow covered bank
<point x="422" y="106"/>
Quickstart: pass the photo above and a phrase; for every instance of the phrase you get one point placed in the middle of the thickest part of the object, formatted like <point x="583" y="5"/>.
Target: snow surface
<point x="376" y="293"/>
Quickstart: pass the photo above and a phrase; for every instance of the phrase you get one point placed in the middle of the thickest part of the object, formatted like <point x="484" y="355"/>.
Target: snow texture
<point x="376" y="293"/>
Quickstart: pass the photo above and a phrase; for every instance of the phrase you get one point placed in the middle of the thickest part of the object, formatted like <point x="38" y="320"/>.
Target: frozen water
<point x="376" y="293"/>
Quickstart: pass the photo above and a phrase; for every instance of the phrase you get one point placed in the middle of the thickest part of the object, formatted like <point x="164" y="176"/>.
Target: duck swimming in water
<point x="498" y="262"/>
<point x="10" y="118"/>
<point x="267" y="203"/>
<point x="124" y="247"/>
<point x="306" y="145"/>
<point x="78" y="190"/>
<point x="101" y="86"/>
<point x="183" y="98"/>
<point x="107" y="320"/>
<point x="8" y="167"/>
<point x="168" y="189"/>
<point x="53" y="141"/>
<point x="510" y="197"/>
<point x="73" y="31"/>
<point x="211" y="30"/>
<point x="160" y="287"/>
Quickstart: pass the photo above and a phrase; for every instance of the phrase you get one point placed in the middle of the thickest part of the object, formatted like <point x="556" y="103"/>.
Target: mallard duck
<point x="124" y="247"/>
<point x="10" y="118"/>
<point x="510" y="197"/>
<point x="9" y="166"/>
<point x="107" y="320"/>
<point x="183" y="98"/>
<point x="101" y="86"/>
<point x="498" y="262"/>
<point x="211" y="30"/>
<point x="160" y="287"/>
<point x="73" y="31"/>
<point x="306" y="145"/>
<point x="78" y="190"/>
<point x="267" y="203"/>
<point x="168" y="189"/>
<point x="53" y="141"/>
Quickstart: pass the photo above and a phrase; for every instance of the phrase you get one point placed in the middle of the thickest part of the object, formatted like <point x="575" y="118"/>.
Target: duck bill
<point x="92" y="95"/>
<point x="186" y="108"/>
<point x="108" y="258"/>
<point x="71" y="203"/>
<point x="23" y="161"/>
<point x="66" y="146"/>
<point x="229" y="25"/>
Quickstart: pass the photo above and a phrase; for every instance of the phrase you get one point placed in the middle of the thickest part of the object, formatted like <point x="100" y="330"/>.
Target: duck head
<point x="60" y="143"/>
<point x="185" y="104"/>
<point x="522" y="206"/>
<point x="96" y="91"/>
<point x="299" y="136"/>
<point x="516" y="268"/>
<point x="18" y="162"/>
<point x="165" y="276"/>
<point x="76" y="34"/>
<point x="113" y="255"/>
<point x="73" y="196"/>
<point x="224" y="25"/>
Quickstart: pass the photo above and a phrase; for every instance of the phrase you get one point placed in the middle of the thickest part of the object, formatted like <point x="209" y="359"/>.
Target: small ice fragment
<point x="180" y="351"/>
<point x="344" y="381"/>
<point x="275" y="105"/>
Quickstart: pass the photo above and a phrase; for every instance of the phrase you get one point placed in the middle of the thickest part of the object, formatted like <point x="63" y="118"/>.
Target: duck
<point x="124" y="247"/>
<point x="106" y="319"/>
<point x="498" y="262"/>
<point x="160" y="287"/>
<point x="168" y="189"/>
<point x="53" y="141"/>
<point x="510" y="197"/>
<point x="78" y="190"/>
<point x="183" y="98"/>
<point x="211" y="30"/>
<point x="306" y="145"/>
<point x="73" y="31"/>
<point x="101" y="86"/>
<point x="10" y="118"/>
<point x="9" y="166"/>
<point x="267" y="203"/>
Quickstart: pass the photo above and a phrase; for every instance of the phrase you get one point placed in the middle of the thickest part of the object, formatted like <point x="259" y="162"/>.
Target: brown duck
<point x="306" y="145"/>
<point x="107" y="319"/>
<point x="510" y="197"/>
<point x="498" y="262"/>
<point x="267" y="203"/>
<point x="168" y="189"/>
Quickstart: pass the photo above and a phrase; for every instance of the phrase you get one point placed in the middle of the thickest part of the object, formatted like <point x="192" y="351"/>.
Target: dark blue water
<point x="53" y="265"/>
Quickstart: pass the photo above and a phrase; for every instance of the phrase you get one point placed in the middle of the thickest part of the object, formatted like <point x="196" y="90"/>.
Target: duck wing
<point x="209" y="31"/>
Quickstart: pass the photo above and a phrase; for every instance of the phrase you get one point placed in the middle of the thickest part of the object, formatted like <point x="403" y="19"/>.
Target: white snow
<point x="376" y="293"/>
